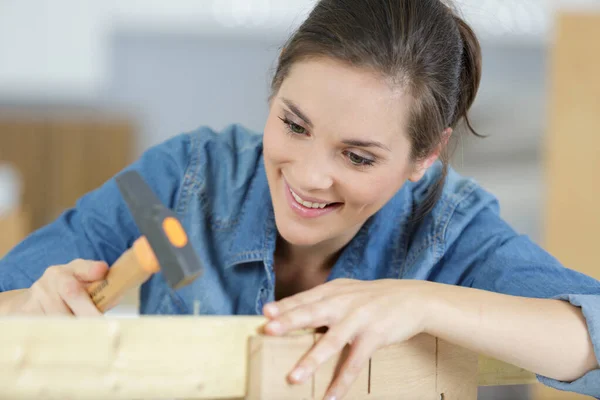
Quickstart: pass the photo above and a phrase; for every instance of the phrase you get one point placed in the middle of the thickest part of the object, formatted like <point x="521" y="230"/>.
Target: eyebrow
<point x="297" y="111"/>
<point x="348" y="142"/>
<point x="362" y="143"/>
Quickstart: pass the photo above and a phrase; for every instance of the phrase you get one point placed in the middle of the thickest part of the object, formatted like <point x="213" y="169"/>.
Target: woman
<point x="343" y="214"/>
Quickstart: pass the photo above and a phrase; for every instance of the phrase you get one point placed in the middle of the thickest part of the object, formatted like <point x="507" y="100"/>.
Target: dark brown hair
<point x="422" y="45"/>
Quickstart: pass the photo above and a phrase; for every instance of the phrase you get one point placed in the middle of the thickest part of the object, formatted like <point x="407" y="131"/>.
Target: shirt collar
<point x="255" y="236"/>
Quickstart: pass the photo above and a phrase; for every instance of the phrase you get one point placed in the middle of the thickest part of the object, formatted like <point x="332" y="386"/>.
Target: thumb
<point x="89" y="271"/>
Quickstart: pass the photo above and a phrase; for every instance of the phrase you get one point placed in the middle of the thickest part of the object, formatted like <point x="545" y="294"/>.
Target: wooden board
<point x="325" y="375"/>
<point x="13" y="228"/>
<point x="271" y="359"/>
<point x="456" y="372"/>
<point x="194" y="357"/>
<point x="572" y="216"/>
<point x="572" y="159"/>
<point x="145" y="358"/>
<point x="62" y="156"/>
<point x="405" y="370"/>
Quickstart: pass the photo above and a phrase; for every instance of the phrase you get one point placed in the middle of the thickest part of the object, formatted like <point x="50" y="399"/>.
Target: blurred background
<point x="86" y="86"/>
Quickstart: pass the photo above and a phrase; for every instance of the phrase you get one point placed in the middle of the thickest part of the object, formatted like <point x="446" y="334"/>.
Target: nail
<point x="330" y="397"/>
<point x="298" y="374"/>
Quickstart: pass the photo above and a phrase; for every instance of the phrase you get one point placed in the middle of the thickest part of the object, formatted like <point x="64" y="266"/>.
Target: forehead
<point x="346" y="99"/>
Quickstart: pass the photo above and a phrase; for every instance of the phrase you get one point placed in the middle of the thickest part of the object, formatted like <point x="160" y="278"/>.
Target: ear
<point x="422" y="166"/>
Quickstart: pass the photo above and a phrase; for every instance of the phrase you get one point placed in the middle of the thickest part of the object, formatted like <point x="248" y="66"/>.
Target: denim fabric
<point x="216" y="182"/>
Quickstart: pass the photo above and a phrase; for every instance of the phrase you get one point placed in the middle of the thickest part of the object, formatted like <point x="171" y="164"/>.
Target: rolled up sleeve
<point x="588" y="384"/>
<point x="490" y="255"/>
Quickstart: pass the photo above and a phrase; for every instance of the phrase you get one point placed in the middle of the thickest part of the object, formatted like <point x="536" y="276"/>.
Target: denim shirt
<point x="216" y="183"/>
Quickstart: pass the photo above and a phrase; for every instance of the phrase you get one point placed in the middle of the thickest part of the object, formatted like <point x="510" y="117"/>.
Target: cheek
<point x="274" y="141"/>
<point x="373" y="191"/>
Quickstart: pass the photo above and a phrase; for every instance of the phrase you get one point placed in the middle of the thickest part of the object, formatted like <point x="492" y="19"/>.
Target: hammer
<point x="164" y="246"/>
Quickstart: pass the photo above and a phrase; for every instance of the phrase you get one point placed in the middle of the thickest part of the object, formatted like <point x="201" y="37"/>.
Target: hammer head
<point x="178" y="261"/>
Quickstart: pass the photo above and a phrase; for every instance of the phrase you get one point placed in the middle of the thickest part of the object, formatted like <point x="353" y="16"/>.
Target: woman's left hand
<point x="367" y="315"/>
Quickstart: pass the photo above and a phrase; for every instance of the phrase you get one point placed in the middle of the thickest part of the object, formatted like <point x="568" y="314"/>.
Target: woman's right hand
<point x="62" y="291"/>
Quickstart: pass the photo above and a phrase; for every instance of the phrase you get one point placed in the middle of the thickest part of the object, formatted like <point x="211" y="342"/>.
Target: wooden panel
<point x="62" y="157"/>
<point x="24" y="143"/>
<point x="572" y="156"/>
<point x="325" y="375"/>
<point x="405" y="370"/>
<point x="456" y="376"/>
<point x="271" y="359"/>
<point x="86" y="154"/>
<point x="572" y="217"/>
<point x="13" y="228"/>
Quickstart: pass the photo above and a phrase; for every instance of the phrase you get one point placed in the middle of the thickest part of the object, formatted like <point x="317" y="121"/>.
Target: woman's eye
<point x="292" y="127"/>
<point x="297" y="128"/>
<point x="358" y="160"/>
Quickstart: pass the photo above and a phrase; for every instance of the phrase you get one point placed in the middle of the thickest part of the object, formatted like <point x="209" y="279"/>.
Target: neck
<point x="318" y="257"/>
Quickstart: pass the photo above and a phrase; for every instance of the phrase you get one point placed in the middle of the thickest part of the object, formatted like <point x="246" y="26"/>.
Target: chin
<point x="297" y="235"/>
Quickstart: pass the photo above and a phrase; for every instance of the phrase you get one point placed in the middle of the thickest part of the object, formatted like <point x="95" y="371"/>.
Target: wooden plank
<point x="195" y="357"/>
<point x="405" y="370"/>
<point x="148" y="357"/>
<point x="497" y="373"/>
<point x="325" y="375"/>
<point x="86" y="153"/>
<point x="24" y="143"/>
<point x="271" y="359"/>
<point x="456" y="375"/>
<point x="572" y="217"/>
<point x="13" y="228"/>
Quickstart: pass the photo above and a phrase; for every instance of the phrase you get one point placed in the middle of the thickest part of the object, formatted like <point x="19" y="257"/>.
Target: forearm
<point x="548" y="337"/>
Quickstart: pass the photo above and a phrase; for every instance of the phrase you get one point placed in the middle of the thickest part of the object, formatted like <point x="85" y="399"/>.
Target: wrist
<point x="13" y="301"/>
<point x="427" y="300"/>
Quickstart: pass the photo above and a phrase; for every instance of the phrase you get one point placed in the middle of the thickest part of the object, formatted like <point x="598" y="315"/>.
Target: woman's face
<point x="335" y="150"/>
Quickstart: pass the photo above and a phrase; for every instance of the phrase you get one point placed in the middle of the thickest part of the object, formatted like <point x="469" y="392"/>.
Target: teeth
<point x="307" y="204"/>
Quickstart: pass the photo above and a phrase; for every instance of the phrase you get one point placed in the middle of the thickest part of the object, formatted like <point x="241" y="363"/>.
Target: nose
<point x="314" y="172"/>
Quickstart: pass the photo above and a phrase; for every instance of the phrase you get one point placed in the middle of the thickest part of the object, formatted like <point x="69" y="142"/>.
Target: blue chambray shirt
<point x="216" y="182"/>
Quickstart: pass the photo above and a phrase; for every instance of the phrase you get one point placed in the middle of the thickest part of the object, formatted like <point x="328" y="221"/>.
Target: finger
<point x="330" y="344"/>
<point x="77" y="298"/>
<point x="274" y="309"/>
<point x="50" y="301"/>
<point x="360" y="352"/>
<point x="88" y="271"/>
<point x="323" y="313"/>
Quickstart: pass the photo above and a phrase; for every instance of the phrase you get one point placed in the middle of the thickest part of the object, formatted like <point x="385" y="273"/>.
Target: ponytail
<point x="470" y="76"/>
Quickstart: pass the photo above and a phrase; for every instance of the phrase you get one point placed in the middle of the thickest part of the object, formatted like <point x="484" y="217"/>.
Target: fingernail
<point x="330" y="397"/>
<point x="298" y="374"/>
<point x="271" y="309"/>
<point x="274" y="327"/>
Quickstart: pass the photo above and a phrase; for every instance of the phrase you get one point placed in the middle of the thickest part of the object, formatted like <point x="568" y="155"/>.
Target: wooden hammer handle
<point x="132" y="269"/>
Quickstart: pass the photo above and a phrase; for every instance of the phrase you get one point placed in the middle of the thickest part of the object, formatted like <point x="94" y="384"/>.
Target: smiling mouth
<point x="309" y="204"/>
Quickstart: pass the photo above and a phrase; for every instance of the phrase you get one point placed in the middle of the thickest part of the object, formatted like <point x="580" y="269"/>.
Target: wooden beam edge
<point x="202" y="357"/>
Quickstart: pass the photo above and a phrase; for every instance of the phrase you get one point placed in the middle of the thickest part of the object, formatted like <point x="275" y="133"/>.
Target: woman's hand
<point x="60" y="291"/>
<point x="367" y="315"/>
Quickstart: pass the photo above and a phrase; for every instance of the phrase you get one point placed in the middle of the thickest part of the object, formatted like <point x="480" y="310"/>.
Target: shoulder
<point x="462" y="203"/>
<point x="193" y="163"/>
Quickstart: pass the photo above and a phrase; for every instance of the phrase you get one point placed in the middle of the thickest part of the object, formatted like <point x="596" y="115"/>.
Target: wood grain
<point x="405" y="370"/>
<point x="456" y="375"/>
<point x="271" y="359"/>
<point x="204" y="357"/>
<point x="327" y="372"/>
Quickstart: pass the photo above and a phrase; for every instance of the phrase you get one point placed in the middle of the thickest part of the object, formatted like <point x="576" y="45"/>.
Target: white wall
<point x="57" y="49"/>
